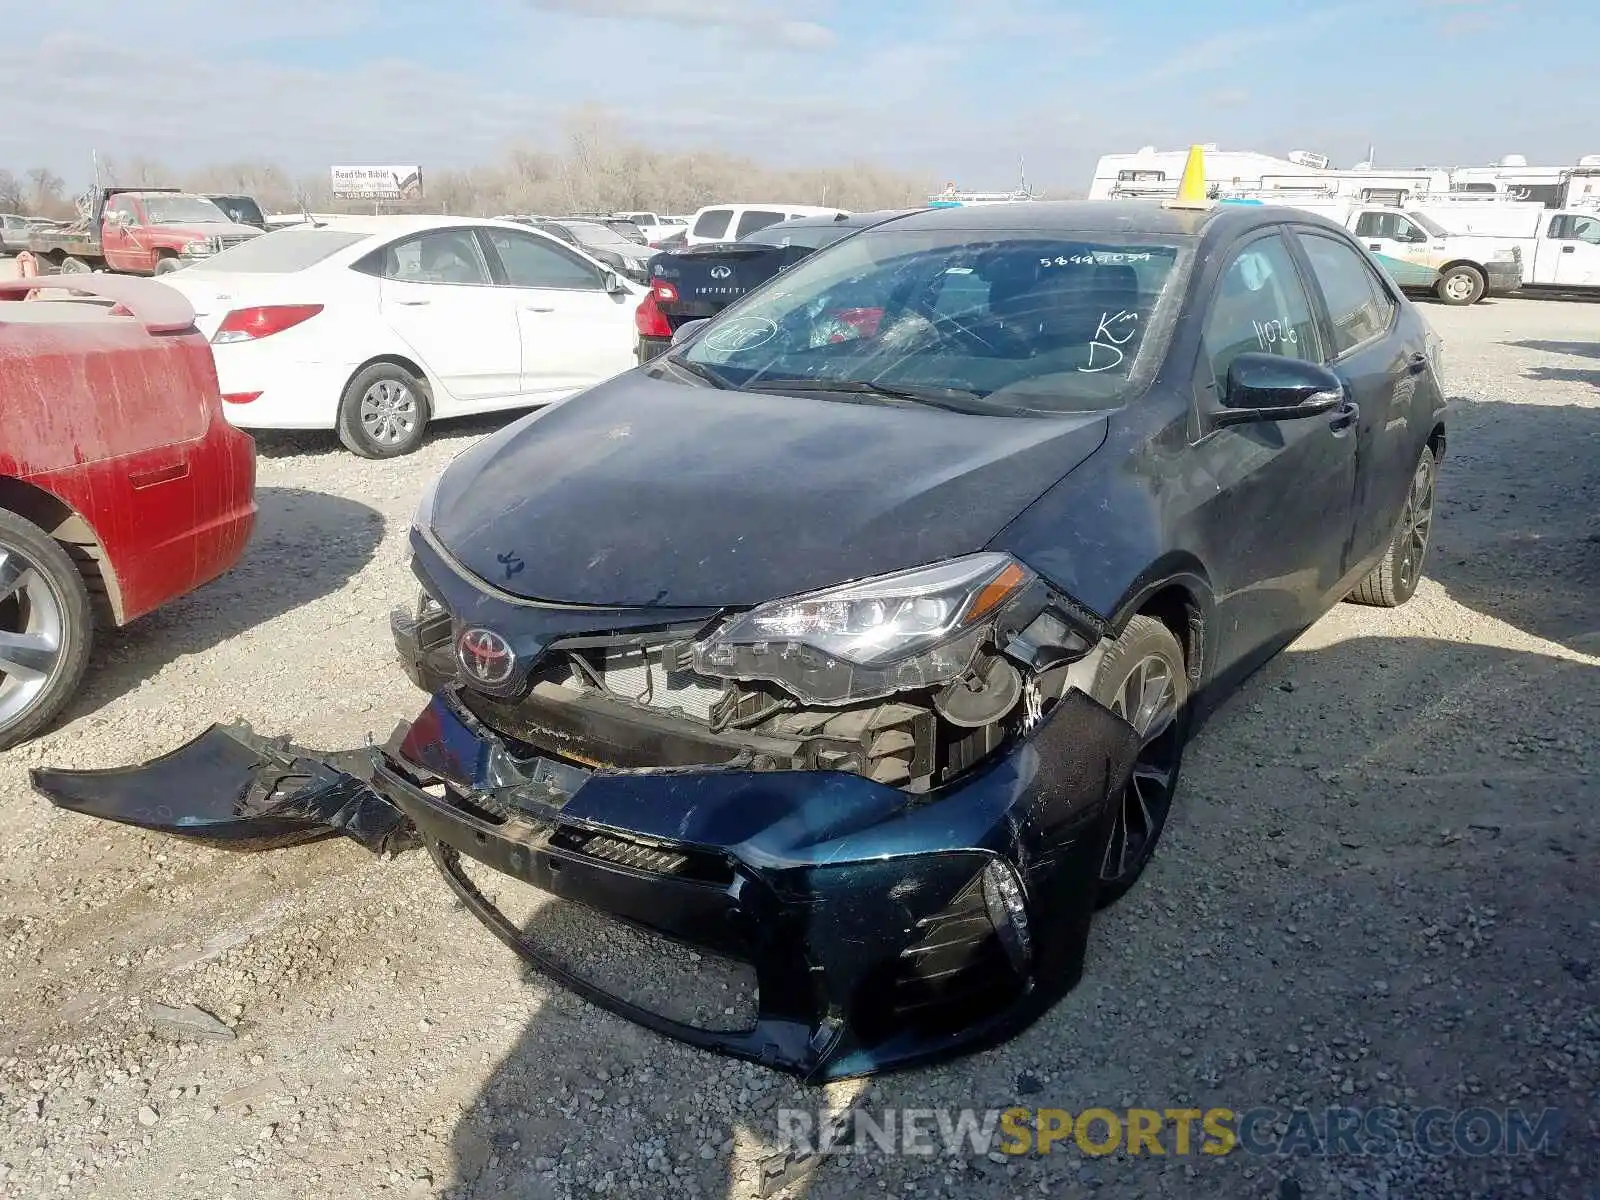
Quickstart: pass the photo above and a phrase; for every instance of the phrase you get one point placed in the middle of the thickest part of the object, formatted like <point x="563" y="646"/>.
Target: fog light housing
<point x="1007" y="906"/>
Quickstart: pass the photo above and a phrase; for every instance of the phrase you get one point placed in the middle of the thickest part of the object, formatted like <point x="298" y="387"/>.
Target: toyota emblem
<point x="485" y="656"/>
<point x="721" y="272"/>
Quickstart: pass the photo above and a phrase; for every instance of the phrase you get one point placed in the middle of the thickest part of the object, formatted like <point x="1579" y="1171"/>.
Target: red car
<point x="121" y="484"/>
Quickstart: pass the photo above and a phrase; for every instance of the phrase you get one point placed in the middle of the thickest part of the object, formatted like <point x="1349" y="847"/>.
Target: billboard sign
<point x="377" y="183"/>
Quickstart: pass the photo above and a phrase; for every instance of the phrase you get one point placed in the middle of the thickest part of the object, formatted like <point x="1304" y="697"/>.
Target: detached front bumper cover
<point x="884" y="928"/>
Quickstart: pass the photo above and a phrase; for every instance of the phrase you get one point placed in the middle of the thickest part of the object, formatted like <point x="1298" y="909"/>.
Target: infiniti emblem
<point x="721" y="272"/>
<point x="485" y="656"/>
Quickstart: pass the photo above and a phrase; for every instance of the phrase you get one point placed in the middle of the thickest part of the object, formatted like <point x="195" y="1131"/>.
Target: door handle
<point x="1374" y="246"/>
<point x="1568" y="249"/>
<point x="537" y="308"/>
<point x="1344" y="418"/>
<point x="1417" y="363"/>
<point x="413" y="303"/>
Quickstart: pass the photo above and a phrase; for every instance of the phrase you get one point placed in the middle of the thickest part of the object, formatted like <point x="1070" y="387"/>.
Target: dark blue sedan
<point x="859" y="636"/>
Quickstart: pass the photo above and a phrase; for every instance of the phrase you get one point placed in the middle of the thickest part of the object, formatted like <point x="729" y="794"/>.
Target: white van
<point x="730" y="222"/>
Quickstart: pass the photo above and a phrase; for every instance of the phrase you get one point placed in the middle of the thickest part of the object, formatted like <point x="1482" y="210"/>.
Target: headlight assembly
<point x="869" y="639"/>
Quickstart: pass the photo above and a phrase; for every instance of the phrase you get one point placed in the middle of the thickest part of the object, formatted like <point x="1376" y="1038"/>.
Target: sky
<point x="949" y="90"/>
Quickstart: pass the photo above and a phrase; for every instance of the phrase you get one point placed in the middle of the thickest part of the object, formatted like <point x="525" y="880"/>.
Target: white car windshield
<point x="1429" y="226"/>
<point x="1012" y="322"/>
<point x="180" y="210"/>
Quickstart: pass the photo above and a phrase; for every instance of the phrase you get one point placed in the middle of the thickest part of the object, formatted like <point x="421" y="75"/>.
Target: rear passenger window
<point x="753" y="219"/>
<point x="1359" y="306"/>
<point x="1260" y="306"/>
<point x="713" y="223"/>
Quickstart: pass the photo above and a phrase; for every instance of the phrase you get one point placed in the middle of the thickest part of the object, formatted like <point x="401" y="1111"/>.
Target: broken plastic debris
<point x="188" y="1023"/>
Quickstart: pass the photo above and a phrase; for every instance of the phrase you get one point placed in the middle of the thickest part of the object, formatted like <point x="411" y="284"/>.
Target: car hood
<point x="644" y="492"/>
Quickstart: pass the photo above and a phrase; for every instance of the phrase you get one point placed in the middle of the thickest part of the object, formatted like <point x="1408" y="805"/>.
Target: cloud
<point x="731" y="15"/>
<point x="1221" y="50"/>
<point x="1228" y="97"/>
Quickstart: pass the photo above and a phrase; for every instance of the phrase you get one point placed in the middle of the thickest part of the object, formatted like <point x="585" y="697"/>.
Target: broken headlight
<point x="869" y="639"/>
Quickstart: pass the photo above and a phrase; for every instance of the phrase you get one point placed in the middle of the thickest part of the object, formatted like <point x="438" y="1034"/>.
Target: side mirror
<point x="613" y="283"/>
<point x="687" y="330"/>
<point x="1269" y="387"/>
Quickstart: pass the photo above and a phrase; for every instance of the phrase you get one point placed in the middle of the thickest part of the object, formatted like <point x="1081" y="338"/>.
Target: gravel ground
<point x="1380" y="888"/>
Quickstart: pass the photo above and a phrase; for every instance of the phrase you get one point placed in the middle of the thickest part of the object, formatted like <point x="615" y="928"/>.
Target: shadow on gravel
<point x="1377" y="891"/>
<point x="1565" y="375"/>
<point x="1580" y="349"/>
<point x="285" y="443"/>
<point x="306" y="545"/>
<point x="1518" y="523"/>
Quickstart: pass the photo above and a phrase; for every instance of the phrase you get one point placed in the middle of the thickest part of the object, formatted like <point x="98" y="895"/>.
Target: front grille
<point x="232" y="239"/>
<point x="641" y="676"/>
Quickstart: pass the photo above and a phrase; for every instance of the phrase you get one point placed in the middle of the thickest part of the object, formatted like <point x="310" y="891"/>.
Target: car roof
<point x="394" y="225"/>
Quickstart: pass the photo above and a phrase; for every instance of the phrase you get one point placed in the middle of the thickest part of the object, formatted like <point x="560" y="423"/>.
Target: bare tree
<point x="48" y="197"/>
<point x="598" y="169"/>
<point x="11" y="199"/>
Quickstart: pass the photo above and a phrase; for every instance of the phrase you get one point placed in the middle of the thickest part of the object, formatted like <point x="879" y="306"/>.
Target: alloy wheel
<point x="1148" y="700"/>
<point x="32" y="633"/>
<point x="1416" y="522"/>
<point x="389" y="412"/>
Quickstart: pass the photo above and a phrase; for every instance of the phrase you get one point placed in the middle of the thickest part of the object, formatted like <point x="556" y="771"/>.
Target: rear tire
<point x="1394" y="580"/>
<point x="1460" y="285"/>
<point x="1143" y="679"/>
<point x="384" y="412"/>
<point x="46" y="629"/>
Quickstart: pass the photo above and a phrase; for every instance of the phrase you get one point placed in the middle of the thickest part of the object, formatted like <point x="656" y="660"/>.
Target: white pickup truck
<point x="1420" y="254"/>
<point x="1560" y="248"/>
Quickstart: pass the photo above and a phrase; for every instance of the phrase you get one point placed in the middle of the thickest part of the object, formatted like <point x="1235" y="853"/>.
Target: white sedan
<point x="374" y="326"/>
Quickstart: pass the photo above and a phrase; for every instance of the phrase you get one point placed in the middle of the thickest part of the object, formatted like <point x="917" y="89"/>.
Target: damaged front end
<point x="903" y="848"/>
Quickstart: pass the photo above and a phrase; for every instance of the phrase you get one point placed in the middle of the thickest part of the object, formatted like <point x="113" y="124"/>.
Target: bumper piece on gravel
<point x="884" y="928"/>
<point x="232" y="788"/>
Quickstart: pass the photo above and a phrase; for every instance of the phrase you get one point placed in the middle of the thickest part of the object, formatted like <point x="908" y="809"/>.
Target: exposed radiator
<point x="639" y="675"/>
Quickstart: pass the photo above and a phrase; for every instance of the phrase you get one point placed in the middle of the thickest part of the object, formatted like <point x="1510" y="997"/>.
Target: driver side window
<point x="533" y="262"/>
<point x="1261" y="306"/>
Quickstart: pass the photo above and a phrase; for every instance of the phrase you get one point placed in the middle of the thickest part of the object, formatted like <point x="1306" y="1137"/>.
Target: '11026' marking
<point x="1274" y="333"/>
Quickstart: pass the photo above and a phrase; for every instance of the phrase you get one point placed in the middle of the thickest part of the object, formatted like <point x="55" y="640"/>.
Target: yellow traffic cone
<point x="1192" y="187"/>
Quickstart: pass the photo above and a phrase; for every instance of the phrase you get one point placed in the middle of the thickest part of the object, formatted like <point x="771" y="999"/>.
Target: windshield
<point x="281" y="252"/>
<point x="807" y="237"/>
<point x="597" y="235"/>
<point x="1430" y="226"/>
<point x="180" y="210"/>
<point x="1023" y="322"/>
<point x="241" y="209"/>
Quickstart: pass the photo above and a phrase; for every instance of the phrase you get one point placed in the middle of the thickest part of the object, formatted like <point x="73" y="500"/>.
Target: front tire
<point x="1143" y="679"/>
<point x="46" y="628"/>
<point x="165" y="266"/>
<point x="1394" y="580"/>
<point x="384" y="412"/>
<point x="1461" y="285"/>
